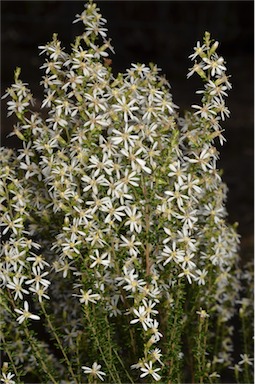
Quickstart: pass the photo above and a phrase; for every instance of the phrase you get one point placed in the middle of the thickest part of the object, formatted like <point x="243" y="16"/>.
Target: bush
<point x="117" y="261"/>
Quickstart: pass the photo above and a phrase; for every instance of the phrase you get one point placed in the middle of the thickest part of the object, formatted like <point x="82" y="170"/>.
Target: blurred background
<point x="163" y="32"/>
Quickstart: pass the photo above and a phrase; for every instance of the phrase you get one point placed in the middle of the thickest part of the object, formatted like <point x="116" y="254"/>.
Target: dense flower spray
<point x="114" y="224"/>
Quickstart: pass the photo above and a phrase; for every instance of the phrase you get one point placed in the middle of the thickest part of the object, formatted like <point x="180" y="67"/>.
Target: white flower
<point x="215" y="89"/>
<point x="94" y="120"/>
<point x="177" y="195"/>
<point x="114" y="213"/>
<point x="216" y="66"/>
<point x="99" y="165"/>
<point x="7" y="379"/>
<point x="174" y="254"/>
<point x="16" y="285"/>
<point x="40" y="292"/>
<point x="17" y="106"/>
<point x="126" y="137"/>
<point x="148" y="370"/>
<point x="129" y="178"/>
<point x="142" y="317"/>
<point x="126" y="108"/>
<point x="154" y="329"/>
<point x="191" y="184"/>
<point x="131" y="244"/>
<point x="133" y="283"/>
<point x="88" y="296"/>
<point x="186" y="261"/>
<point x="94" y="371"/>
<point x="96" y="102"/>
<point x="156" y="354"/>
<point x="202" y="313"/>
<point x="246" y="359"/>
<point x="140" y="69"/>
<point x="203" y="159"/>
<point x="199" y="50"/>
<point x="188" y="274"/>
<point x="205" y="110"/>
<point x="134" y="221"/>
<point x="100" y="259"/>
<point x="137" y="163"/>
<point x="25" y="314"/>
<point x="221" y="108"/>
<point x="38" y="278"/>
<point x="178" y="171"/>
<point x="201" y="276"/>
<point x="71" y="245"/>
<point x="149" y="305"/>
<point x="38" y="261"/>
<point x="10" y="224"/>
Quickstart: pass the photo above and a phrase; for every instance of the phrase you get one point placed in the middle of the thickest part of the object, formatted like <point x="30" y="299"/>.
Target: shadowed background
<point x="163" y="32"/>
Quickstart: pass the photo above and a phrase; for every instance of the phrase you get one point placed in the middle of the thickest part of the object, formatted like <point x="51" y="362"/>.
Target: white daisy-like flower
<point x="216" y="65"/>
<point x="94" y="371"/>
<point x="134" y="220"/>
<point x="88" y="296"/>
<point x="99" y="259"/>
<point x="148" y="370"/>
<point x="25" y="314"/>
<point x="142" y="317"/>
<point x="7" y="378"/>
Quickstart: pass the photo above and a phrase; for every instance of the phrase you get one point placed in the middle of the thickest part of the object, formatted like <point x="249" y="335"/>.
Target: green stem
<point x="59" y="343"/>
<point x="94" y="331"/>
<point x="246" y="366"/>
<point x="121" y="362"/>
<point x="8" y="353"/>
<point x="173" y="337"/>
<point x="33" y="345"/>
<point x="38" y="355"/>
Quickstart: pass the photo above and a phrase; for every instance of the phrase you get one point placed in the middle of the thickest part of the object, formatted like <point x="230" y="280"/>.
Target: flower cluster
<point x="114" y="220"/>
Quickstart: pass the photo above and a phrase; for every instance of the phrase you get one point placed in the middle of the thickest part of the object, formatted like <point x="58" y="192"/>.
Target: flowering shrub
<point x="117" y="262"/>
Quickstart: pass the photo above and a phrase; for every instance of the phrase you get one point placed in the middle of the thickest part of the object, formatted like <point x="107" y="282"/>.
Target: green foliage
<point x="117" y="260"/>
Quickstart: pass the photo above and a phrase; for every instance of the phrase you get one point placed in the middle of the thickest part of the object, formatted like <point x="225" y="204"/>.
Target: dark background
<point x="165" y="33"/>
